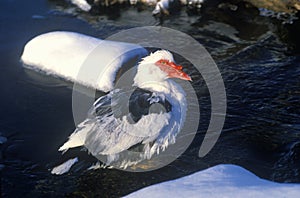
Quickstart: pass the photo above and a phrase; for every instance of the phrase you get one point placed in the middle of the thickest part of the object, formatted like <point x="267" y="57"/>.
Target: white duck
<point x="150" y="122"/>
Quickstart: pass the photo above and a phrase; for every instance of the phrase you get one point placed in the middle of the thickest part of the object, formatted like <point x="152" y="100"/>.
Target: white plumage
<point x="111" y="136"/>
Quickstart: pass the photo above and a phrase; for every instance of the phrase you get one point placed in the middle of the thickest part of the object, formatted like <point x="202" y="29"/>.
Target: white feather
<point x="110" y="136"/>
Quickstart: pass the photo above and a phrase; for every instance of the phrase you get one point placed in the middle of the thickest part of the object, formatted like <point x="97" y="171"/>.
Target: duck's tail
<point x="77" y="138"/>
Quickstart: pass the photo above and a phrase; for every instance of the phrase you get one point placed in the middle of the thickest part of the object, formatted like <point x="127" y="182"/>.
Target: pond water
<point x="261" y="131"/>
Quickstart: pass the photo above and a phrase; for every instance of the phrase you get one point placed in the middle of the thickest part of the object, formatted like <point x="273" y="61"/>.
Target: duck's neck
<point x="148" y="74"/>
<point x="151" y="78"/>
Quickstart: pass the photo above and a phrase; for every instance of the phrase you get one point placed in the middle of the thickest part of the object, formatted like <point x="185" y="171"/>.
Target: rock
<point x="287" y="6"/>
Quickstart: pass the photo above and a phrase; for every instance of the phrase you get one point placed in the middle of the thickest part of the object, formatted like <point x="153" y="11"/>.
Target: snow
<point x="82" y="4"/>
<point x="219" y="181"/>
<point x="80" y="58"/>
<point x="65" y="167"/>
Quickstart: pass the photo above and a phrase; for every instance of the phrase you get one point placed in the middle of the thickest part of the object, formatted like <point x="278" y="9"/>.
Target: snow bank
<point x="220" y="181"/>
<point x="80" y="58"/>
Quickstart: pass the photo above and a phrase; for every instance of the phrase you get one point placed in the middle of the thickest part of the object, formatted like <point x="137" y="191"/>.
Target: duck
<point x="131" y="124"/>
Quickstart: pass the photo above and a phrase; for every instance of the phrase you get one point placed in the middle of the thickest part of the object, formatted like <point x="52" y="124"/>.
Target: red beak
<point x="172" y="69"/>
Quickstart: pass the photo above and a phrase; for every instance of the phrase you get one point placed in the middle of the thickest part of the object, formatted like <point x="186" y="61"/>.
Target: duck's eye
<point x="163" y="62"/>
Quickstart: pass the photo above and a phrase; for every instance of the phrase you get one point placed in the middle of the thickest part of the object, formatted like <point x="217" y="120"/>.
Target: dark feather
<point x="133" y="105"/>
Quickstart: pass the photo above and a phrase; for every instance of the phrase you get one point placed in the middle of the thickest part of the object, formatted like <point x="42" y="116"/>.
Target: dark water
<point x="261" y="77"/>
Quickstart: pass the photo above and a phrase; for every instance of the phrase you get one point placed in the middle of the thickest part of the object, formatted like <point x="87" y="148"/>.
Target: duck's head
<point x="159" y="66"/>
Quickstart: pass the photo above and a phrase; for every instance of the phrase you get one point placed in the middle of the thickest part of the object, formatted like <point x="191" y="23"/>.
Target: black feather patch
<point x="133" y="105"/>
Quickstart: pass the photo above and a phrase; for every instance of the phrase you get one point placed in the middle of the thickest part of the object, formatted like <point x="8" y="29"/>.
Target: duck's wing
<point x="120" y="120"/>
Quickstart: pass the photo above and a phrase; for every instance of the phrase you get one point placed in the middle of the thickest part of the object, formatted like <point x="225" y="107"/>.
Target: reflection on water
<point x="261" y="131"/>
